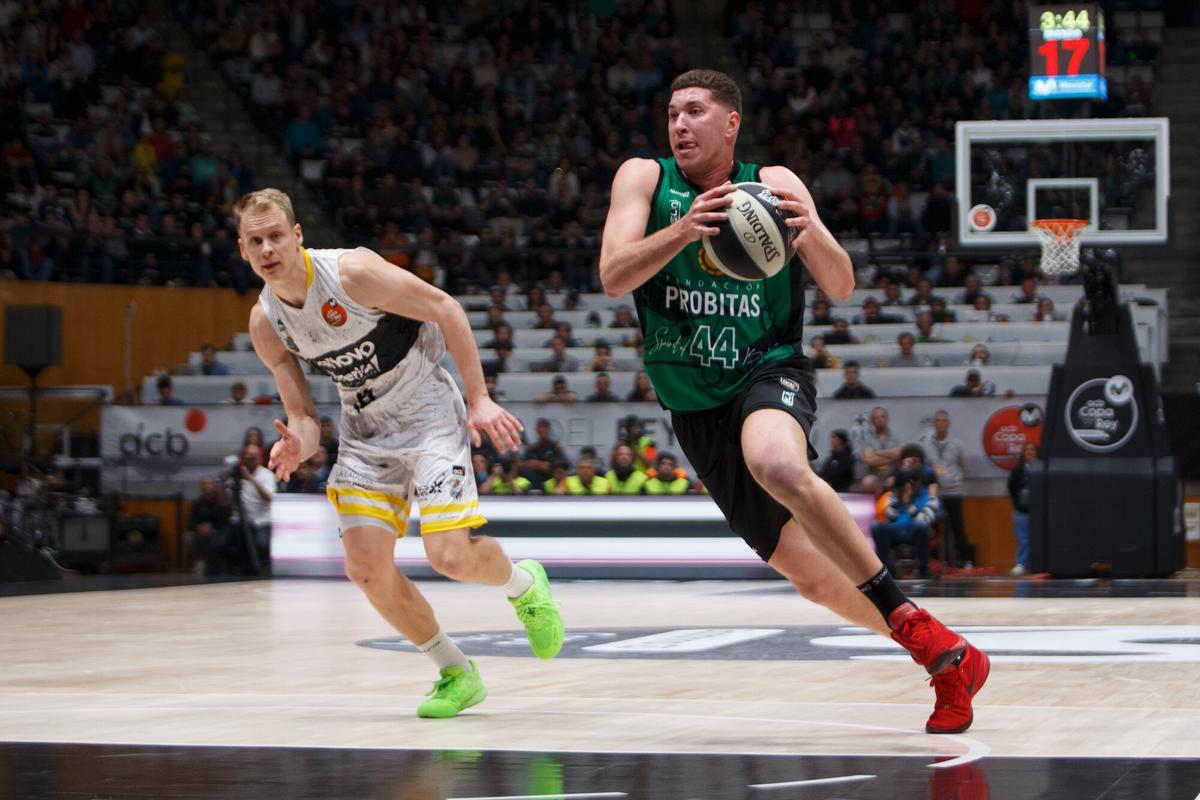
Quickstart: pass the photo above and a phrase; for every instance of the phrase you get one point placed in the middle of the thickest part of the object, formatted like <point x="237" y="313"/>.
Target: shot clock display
<point x="1066" y="52"/>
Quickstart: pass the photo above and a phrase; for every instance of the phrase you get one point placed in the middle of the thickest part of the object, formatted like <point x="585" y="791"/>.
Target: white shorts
<point x="415" y="457"/>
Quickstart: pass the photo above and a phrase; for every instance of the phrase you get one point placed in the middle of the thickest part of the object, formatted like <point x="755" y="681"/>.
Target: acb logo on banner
<point x="1008" y="430"/>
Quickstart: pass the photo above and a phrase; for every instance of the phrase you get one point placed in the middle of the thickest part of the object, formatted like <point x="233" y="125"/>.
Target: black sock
<point x="882" y="590"/>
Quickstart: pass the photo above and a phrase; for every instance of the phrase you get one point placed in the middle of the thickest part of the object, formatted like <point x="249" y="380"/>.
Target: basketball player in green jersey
<point x="725" y="357"/>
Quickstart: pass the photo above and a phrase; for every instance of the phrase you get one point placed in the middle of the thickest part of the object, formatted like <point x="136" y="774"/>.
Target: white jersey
<point x="403" y="427"/>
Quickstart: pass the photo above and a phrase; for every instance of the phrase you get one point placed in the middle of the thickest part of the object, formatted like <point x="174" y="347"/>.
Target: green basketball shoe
<point x="456" y="690"/>
<point x="539" y="613"/>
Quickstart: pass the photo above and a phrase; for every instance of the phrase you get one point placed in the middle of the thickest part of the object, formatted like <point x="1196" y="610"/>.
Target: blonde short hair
<point x="261" y="201"/>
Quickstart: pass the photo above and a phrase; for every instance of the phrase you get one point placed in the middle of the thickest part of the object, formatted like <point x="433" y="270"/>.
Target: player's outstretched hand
<point x="707" y="210"/>
<point x="285" y="454"/>
<point x="800" y="214"/>
<point x="501" y="427"/>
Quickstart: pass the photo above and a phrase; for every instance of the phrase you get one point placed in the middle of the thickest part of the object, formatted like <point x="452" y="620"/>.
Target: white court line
<point x="544" y="796"/>
<point x="813" y="782"/>
<point x="975" y="750"/>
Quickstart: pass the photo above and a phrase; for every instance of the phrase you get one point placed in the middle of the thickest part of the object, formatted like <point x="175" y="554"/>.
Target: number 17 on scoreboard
<point x="1067" y="52"/>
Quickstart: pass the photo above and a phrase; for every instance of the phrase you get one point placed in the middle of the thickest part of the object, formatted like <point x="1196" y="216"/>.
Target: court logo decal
<point x="1013" y="644"/>
<point x="1102" y="414"/>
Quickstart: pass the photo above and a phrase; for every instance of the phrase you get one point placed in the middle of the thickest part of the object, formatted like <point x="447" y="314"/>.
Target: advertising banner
<point x="166" y="449"/>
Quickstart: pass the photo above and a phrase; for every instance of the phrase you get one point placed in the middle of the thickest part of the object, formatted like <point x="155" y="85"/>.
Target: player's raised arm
<point x="628" y="257"/>
<point x="302" y="434"/>
<point x="825" y="259"/>
<point x="376" y="283"/>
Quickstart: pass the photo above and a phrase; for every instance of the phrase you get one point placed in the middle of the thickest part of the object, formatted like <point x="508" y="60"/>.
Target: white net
<point x="1060" y="240"/>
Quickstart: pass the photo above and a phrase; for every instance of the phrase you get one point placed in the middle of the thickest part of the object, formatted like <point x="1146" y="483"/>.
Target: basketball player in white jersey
<point x="379" y="333"/>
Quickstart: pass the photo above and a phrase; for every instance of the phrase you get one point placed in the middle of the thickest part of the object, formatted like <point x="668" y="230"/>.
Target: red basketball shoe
<point x="955" y="687"/>
<point x="930" y="643"/>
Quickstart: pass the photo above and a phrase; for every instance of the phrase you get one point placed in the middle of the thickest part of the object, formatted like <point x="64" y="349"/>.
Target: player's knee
<point x="363" y="569"/>
<point x="449" y="560"/>
<point x="813" y="588"/>
<point x="784" y="477"/>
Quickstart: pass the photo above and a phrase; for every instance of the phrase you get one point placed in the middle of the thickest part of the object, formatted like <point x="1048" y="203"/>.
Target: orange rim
<point x="1060" y="228"/>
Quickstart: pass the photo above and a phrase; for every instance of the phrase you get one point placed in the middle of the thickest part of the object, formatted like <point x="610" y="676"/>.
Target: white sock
<point x="444" y="652"/>
<point x="518" y="584"/>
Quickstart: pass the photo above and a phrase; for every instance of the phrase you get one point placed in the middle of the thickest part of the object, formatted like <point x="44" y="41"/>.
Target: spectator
<point x="491" y="382"/>
<point x="981" y="310"/>
<point x="822" y="313"/>
<point x="207" y="527"/>
<point x="502" y="334"/>
<point x="643" y="390"/>
<point x="209" y="365"/>
<point x="559" y="392"/>
<point x="635" y="436"/>
<point x="906" y="357"/>
<point x="1018" y="490"/>
<point x="603" y="393"/>
<point x="891" y="295"/>
<point x="321" y="466"/>
<point x="974" y="387"/>
<point x="254" y="435"/>
<point x="254" y="489"/>
<point x="840" y="333"/>
<point x="980" y="356"/>
<point x="923" y="296"/>
<point x="602" y="361"/>
<point x="1045" y="311"/>
<point x="972" y="288"/>
<point x="585" y="480"/>
<point x="667" y="477"/>
<point x="559" y="471"/>
<point x="948" y="458"/>
<point x="237" y="394"/>
<point x="939" y="312"/>
<point x="911" y="512"/>
<point x="820" y="357"/>
<point x="872" y="314"/>
<point x="166" y="392"/>
<point x="545" y="318"/>
<point x="329" y="439"/>
<point x="624" y="476"/>
<point x="926" y="333"/>
<point x="851" y="388"/>
<point x="838" y="469"/>
<point x="304" y="481"/>
<point x="880" y="450"/>
<point x="505" y="479"/>
<point x="623" y="318"/>
<point x="540" y="454"/>
<point x="1029" y="292"/>
<point x="562" y="331"/>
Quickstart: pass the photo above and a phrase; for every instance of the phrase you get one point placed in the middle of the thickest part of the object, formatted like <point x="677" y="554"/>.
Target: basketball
<point x="754" y="243"/>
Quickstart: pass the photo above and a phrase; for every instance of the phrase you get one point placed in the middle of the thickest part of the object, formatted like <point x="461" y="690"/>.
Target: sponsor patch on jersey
<point x="333" y="313"/>
<point x="705" y="264"/>
<point x="457" y="470"/>
<point x="788" y="398"/>
<point x="788" y="383"/>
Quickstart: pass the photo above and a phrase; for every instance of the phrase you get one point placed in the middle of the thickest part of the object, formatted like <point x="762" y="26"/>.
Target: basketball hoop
<point x="1060" y="244"/>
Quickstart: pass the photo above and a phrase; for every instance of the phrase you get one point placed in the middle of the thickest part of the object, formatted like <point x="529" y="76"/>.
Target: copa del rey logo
<point x="333" y="313"/>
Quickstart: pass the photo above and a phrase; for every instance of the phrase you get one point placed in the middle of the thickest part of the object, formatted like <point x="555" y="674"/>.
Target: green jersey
<point x="705" y="332"/>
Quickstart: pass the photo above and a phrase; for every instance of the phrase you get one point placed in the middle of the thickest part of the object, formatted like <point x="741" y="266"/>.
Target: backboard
<point x="1115" y="173"/>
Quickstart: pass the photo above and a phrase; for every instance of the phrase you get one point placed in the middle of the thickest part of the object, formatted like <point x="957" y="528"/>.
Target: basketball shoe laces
<point x="915" y="634"/>
<point x="528" y="612"/>
<point x="950" y="690"/>
<point x="449" y="685"/>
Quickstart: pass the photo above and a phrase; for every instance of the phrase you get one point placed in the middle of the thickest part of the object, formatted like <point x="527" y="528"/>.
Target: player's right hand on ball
<point x="707" y="210"/>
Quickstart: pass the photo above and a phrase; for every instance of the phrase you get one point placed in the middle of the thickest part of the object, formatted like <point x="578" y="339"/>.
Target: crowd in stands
<point x="107" y="174"/>
<point x="460" y="141"/>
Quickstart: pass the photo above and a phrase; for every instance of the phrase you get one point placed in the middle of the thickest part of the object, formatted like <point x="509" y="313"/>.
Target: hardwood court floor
<point x="679" y="669"/>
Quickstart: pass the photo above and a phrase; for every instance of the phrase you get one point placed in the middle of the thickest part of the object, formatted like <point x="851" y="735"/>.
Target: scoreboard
<point x="1066" y="52"/>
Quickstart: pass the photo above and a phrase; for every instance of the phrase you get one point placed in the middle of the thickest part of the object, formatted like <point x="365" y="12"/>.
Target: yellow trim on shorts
<point x="449" y="508"/>
<point x="334" y="492"/>
<point x="375" y="513"/>
<point x="473" y="521"/>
